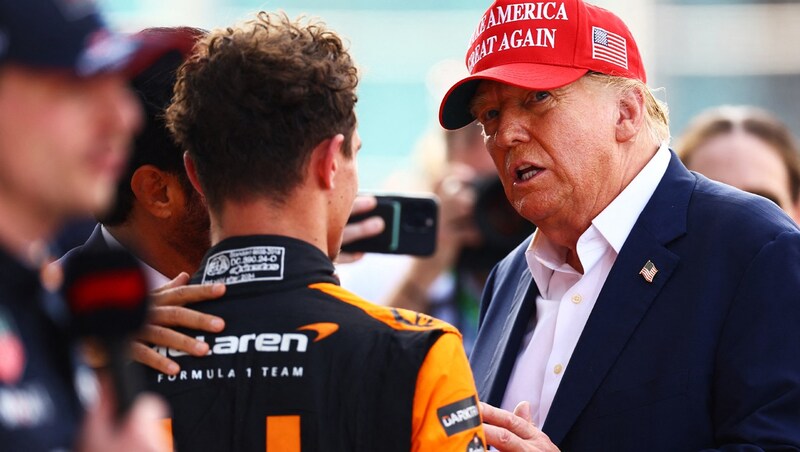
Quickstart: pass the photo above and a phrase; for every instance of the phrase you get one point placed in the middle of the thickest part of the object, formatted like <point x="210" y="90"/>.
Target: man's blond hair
<point x="657" y="117"/>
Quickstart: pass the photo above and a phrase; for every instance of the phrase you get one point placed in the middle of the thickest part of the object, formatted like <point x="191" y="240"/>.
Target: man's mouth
<point x="526" y="172"/>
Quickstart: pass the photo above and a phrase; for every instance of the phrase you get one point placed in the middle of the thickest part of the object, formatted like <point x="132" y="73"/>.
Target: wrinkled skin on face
<point x="559" y="153"/>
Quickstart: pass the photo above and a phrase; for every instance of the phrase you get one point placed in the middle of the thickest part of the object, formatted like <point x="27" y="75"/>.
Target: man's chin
<point x="101" y="202"/>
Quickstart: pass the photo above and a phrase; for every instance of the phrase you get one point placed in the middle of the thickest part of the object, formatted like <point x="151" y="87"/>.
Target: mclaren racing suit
<point x="304" y="365"/>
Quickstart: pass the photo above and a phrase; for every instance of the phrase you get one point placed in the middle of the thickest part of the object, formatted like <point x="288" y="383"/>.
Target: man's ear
<point x="191" y="172"/>
<point x="151" y="187"/>
<point x="324" y="162"/>
<point x="631" y="114"/>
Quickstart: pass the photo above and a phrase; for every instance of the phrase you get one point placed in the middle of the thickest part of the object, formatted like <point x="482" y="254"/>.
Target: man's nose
<point x="512" y="129"/>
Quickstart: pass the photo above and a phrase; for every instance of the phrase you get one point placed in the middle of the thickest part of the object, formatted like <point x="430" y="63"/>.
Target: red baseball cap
<point x="541" y="45"/>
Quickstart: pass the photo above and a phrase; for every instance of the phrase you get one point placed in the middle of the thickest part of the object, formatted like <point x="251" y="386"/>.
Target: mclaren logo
<point x="262" y="342"/>
<point x="323" y="329"/>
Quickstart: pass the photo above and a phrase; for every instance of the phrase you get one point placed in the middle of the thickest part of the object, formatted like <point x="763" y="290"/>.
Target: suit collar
<point x="625" y="297"/>
<point x="618" y="217"/>
<point x="664" y="216"/>
<point x="515" y="323"/>
<point x="96" y="241"/>
<point x="506" y="310"/>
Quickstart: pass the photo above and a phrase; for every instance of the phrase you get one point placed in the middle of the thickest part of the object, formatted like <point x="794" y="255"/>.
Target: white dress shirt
<point x="566" y="297"/>
<point x="154" y="278"/>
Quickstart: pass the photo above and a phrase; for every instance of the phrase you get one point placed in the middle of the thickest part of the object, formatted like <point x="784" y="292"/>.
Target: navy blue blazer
<point x="707" y="356"/>
<point x="95" y="242"/>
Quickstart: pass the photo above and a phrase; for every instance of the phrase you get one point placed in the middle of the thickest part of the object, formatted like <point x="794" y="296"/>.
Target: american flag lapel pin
<point x="648" y="271"/>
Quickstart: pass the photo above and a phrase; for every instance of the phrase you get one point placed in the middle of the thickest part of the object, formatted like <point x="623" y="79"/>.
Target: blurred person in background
<point x="653" y="309"/>
<point x="66" y="120"/>
<point x="156" y="213"/>
<point x="158" y="216"/>
<point x="448" y="284"/>
<point x="746" y="147"/>
<point x="265" y="110"/>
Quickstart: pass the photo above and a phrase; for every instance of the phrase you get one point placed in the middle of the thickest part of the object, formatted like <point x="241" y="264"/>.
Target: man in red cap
<point x="653" y="309"/>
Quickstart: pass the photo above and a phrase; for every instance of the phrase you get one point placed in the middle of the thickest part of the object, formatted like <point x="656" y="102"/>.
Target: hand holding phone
<point x="369" y="227"/>
<point x="410" y="226"/>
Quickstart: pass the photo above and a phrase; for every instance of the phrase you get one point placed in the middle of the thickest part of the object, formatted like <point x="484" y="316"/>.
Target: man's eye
<point x="489" y="115"/>
<point x="538" y="96"/>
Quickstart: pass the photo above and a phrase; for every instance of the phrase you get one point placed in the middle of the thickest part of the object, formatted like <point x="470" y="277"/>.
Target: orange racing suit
<point x="305" y="365"/>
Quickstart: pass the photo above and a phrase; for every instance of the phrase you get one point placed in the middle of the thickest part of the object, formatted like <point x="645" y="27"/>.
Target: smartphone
<point x="411" y="226"/>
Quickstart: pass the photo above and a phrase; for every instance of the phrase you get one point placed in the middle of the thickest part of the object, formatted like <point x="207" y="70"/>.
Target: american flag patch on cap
<point x="609" y="47"/>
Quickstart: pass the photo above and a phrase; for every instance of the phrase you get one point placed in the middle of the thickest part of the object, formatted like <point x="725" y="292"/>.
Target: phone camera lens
<point x="418" y="221"/>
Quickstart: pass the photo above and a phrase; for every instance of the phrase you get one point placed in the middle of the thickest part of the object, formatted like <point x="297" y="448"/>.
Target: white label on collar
<point x="242" y="265"/>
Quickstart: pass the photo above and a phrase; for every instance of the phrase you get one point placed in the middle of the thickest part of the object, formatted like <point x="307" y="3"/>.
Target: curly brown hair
<point x="255" y="99"/>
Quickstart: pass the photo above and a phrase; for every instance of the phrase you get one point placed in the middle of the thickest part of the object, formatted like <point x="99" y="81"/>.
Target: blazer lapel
<point x="622" y="303"/>
<point x="624" y="298"/>
<point x="509" y="322"/>
<point x="96" y="241"/>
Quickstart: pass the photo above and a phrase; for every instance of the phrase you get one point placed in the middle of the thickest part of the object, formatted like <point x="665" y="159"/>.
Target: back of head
<point x="751" y="120"/>
<point x="255" y="99"/>
<point x="154" y="145"/>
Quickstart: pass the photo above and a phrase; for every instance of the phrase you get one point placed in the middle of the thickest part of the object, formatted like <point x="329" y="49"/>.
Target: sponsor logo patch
<point x="256" y="263"/>
<point x="459" y="416"/>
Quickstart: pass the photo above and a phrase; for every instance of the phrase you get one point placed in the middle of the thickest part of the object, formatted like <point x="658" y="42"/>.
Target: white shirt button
<point x="577" y="298"/>
<point x="557" y="369"/>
